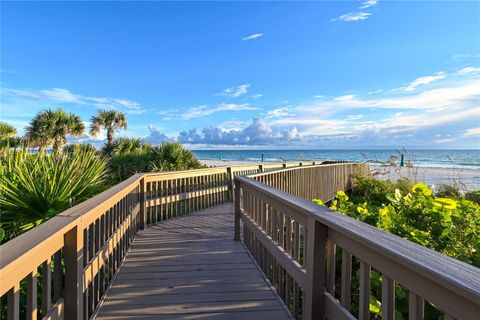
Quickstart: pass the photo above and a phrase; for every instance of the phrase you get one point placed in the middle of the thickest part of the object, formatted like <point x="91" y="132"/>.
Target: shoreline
<point x="466" y="178"/>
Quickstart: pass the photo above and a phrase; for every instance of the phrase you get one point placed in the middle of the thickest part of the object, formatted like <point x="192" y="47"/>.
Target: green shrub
<point x="450" y="226"/>
<point x="166" y="157"/>
<point x="35" y="187"/>
<point x="449" y="191"/>
<point x="367" y="187"/>
<point x="125" y="145"/>
<point x="473" y="196"/>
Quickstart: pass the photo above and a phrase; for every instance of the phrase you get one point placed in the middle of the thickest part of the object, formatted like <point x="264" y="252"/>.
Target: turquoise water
<point x="424" y="158"/>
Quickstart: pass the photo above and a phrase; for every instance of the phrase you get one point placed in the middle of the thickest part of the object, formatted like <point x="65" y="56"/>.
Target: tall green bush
<point x="413" y="212"/>
<point x="168" y="156"/>
<point x="35" y="187"/>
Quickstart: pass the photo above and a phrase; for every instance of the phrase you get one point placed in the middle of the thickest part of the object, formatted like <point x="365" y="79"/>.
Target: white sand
<point x="468" y="179"/>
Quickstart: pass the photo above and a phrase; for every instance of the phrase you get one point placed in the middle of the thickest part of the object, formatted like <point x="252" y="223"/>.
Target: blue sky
<point x="342" y="75"/>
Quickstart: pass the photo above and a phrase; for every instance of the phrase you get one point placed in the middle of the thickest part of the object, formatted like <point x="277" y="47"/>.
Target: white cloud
<point x="423" y="81"/>
<point x="156" y="136"/>
<point x="259" y="132"/>
<point x="368" y="4"/>
<point x="256" y="96"/>
<point x="202" y="111"/>
<point x="65" y="96"/>
<point x="353" y="16"/>
<point x="234" y="92"/>
<point x="474" y="132"/>
<point x="468" y="70"/>
<point x="252" y="36"/>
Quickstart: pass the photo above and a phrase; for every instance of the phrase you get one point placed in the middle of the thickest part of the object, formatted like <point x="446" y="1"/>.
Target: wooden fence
<point x="296" y="243"/>
<point x="63" y="267"/>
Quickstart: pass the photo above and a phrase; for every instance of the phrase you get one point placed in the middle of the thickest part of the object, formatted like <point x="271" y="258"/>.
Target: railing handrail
<point x="22" y="251"/>
<point x="457" y="275"/>
<point x="418" y="263"/>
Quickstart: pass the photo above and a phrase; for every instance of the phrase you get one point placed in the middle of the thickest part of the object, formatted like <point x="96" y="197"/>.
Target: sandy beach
<point x="468" y="179"/>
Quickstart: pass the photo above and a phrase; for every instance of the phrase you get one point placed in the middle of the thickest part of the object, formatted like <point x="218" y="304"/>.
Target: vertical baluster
<point x="73" y="274"/>
<point x="314" y="291"/>
<point x="237" y="210"/>
<point x="346" y="284"/>
<point x="364" y="303"/>
<point x="388" y="298"/>
<point x="46" y="286"/>
<point x="13" y="303"/>
<point x="288" y="249"/>
<point x="415" y="306"/>
<point x="57" y="275"/>
<point x="32" y="296"/>
<point x="331" y="267"/>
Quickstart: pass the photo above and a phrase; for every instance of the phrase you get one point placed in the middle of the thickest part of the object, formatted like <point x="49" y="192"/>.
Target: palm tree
<point x="7" y="130"/>
<point x="110" y="120"/>
<point x="52" y="127"/>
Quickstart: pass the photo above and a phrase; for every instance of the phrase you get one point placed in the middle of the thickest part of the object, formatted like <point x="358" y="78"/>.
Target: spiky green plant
<point x="110" y="120"/>
<point x="172" y="156"/>
<point x="79" y="146"/>
<point x="51" y="127"/>
<point x="35" y="187"/>
<point x="125" y="145"/>
<point x="7" y="130"/>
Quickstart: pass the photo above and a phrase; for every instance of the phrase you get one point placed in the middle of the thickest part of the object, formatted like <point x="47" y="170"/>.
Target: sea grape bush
<point x="412" y="211"/>
<point x="450" y="226"/>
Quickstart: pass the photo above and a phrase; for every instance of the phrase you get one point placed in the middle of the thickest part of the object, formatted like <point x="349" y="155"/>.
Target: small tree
<point x="51" y="127"/>
<point x="7" y="130"/>
<point x="110" y="120"/>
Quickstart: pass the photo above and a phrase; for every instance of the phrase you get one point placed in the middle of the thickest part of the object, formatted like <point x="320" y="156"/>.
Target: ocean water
<point x="423" y="158"/>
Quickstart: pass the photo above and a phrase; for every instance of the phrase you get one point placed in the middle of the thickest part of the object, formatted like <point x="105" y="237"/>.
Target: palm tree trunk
<point x="57" y="146"/>
<point x="110" y="134"/>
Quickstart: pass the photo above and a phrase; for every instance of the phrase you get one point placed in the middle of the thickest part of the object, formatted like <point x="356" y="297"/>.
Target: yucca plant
<point x="35" y="187"/>
<point x="125" y="145"/>
<point x="172" y="156"/>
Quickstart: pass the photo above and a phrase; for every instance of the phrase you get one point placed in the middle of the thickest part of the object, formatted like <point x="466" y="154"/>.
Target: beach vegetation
<point x="51" y="128"/>
<point x="143" y="157"/>
<point x="110" y="120"/>
<point x="35" y="187"/>
<point x="412" y="211"/>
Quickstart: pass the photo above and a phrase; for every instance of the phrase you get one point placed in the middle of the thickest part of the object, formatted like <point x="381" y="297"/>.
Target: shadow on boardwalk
<point x="190" y="268"/>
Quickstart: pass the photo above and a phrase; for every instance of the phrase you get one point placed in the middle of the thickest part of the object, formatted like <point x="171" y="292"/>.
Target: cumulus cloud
<point x="423" y="81"/>
<point x="252" y="36"/>
<point x="259" y="132"/>
<point x="155" y="136"/>
<point x="234" y="92"/>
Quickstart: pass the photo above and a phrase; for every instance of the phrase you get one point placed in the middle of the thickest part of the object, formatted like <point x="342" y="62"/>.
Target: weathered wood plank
<point x="190" y="266"/>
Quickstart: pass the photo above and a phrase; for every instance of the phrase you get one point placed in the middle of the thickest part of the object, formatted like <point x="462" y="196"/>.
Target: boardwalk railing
<point x="66" y="264"/>
<point x="63" y="267"/>
<point x="295" y="242"/>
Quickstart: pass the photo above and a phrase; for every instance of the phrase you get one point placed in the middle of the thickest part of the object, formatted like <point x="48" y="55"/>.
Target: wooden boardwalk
<point x="190" y="268"/>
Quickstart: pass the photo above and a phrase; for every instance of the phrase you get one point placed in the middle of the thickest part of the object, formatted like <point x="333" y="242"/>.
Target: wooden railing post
<point x="231" y="183"/>
<point x="74" y="273"/>
<point x="237" y="211"/>
<point x="284" y="165"/>
<point x="260" y="168"/>
<point x="143" y="200"/>
<point x="316" y="241"/>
